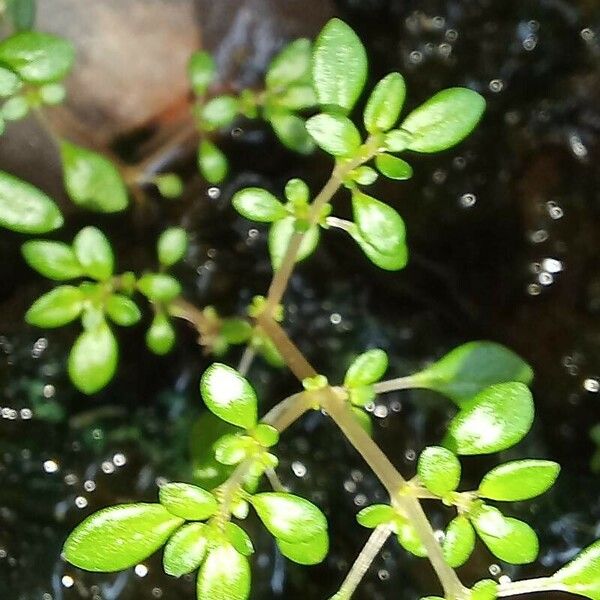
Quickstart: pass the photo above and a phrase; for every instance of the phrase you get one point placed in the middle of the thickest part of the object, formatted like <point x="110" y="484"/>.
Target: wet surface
<point x="503" y="234"/>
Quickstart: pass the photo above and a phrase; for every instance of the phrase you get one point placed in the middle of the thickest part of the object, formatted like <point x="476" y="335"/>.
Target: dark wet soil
<point x="504" y="239"/>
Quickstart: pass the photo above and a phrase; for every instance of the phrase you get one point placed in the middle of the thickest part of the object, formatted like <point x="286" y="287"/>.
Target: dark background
<point x="503" y="233"/>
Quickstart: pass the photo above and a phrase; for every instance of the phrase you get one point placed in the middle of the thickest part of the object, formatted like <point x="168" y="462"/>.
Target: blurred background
<point x="503" y="233"/>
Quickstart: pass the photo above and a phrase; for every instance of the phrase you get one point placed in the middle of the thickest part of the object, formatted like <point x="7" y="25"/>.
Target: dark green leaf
<point x="122" y="310"/>
<point x="290" y="129"/>
<point x="94" y="253"/>
<point x="519" y="480"/>
<point x="335" y="134"/>
<point x="25" y="209"/>
<point x="160" y="337"/>
<point x="439" y="470"/>
<point x="459" y="541"/>
<point x="280" y="235"/>
<point x="229" y="396"/>
<point x="291" y="65"/>
<point x="172" y="246"/>
<point x="93" y="359"/>
<point x="224" y="575"/>
<point x="185" y="550"/>
<point x="339" y="66"/>
<point x="56" y="308"/>
<point x="189" y="502"/>
<point x="393" y="167"/>
<point x="444" y="120"/>
<point x="53" y="260"/>
<point x="385" y="103"/>
<point x="367" y="368"/>
<point x="37" y="57"/>
<point x="307" y="552"/>
<point x="212" y="162"/>
<point x="119" y="537"/>
<point x="91" y="180"/>
<point x="582" y="575"/>
<point x="159" y="287"/>
<point x="201" y="71"/>
<point x="259" y="205"/>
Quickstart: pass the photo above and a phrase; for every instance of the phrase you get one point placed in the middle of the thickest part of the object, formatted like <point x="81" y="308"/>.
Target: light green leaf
<point x="37" y="57"/>
<point x="238" y="538"/>
<point x="519" y="480"/>
<point x="122" y="310"/>
<point x="281" y="233"/>
<point x="496" y="419"/>
<point x="224" y="575"/>
<point x="56" y="308"/>
<point x="9" y="83"/>
<point x="159" y="287"/>
<point x="160" y="337"/>
<point x="201" y="71"/>
<point x="219" y="112"/>
<point x="259" y="205"/>
<point x="229" y="396"/>
<point x="459" y="541"/>
<point x="188" y="502"/>
<point x="185" y="550"/>
<point x="25" y="209"/>
<point x="364" y="419"/>
<point x="396" y="140"/>
<point x="291" y="65"/>
<point x="335" y="134"/>
<point x="509" y="539"/>
<point x="289" y="517"/>
<point x="299" y="97"/>
<point x="472" y="367"/>
<point x="212" y="162"/>
<point x="52" y="93"/>
<point x="306" y="552"/>
<point x="375" y="515"/>
<point x="266" y="435"/>
<point x="439" y="470"/>
<point x="339" y="66"/>
<point x="93" y="359"/>
<point x="366" y="368"/>
<point x="364" y="175"/>
<point x="91" y="180"/>
<point x="53" y="260"/>
<point x="582" y="575"/>
<point x="291" y="131"/>
<point x="385" y="103"/>
<point x="169" y="185"/>
<point x="393" y="167"/>
<point x="232" y="449"/>
<point x="383" y="261"/>
<point x="444" y="120"/>
<point x="409" y="539"/>
<point x="15" y="108"/>
<point x="119" y="537"/>
<point x="236" y="330"/>
<point x="297" y="192"/>
<point x="172" y="246"/>
<point x="94" y="253"/>
<point x="486" y="589"/>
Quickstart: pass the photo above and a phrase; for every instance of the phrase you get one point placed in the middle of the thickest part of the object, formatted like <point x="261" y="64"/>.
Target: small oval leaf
<point x="307" y="552"/>
<point x="259" y="205"/>
<point x="187" y="501"/>
<point x="224" y="575"/>
<point x="53" y="260"/>
<point x="385" y="103"/>
<point x="185" y="550"/>
<point x="56" y="308"/>
<point x="335" y="134"/>
<point x="367" y="368"/>
<point x="439" y="470"/>
<point x="94" y="253"/>
<point x="459" y="541"/>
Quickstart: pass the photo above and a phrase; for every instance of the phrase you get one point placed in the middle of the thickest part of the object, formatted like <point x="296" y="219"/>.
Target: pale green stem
<point x="529" y="586"/>
<point x="246" y="361"/>
<point x="400" y="383"/>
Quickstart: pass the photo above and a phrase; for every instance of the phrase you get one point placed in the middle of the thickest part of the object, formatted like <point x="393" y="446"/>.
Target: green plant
<point x="487" y="382"/>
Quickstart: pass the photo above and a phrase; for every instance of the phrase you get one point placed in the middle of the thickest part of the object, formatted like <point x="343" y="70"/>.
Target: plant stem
<point x="400" y="383"/>
<point x="362" y="563"/>
<point x="246" y="360"/>
<point x="288" y="411"/>
<point x="528" y="586"/>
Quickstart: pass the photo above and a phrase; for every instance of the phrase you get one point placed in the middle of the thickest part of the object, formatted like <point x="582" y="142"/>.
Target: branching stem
<point x="529" y="586"/>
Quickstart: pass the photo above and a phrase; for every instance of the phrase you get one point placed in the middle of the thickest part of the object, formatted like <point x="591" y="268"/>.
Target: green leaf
<point x="219" y="112"/>
<point x="385" y="103"/>
<point x="297" y="192"/>
<point x="119" y="537"/>
<point x="56" y="308"/>
<point x="459" y="541"/>
<point x="291" y="131"/>
<point x="9" y="83"/>
<point x="235" y="330"/>
<point x="472" y="367"/>
<point x="266" y="435"/>
<point x="201" y="71"/>
<point x="259" y="205"/>
<point x="185" y="550"/>
<point x="22" y="13"/>
<point x="160" y="337"/>
<point x="229" y="396"/>
<point x="306" y="552"/>
<point x="383" y="261"/>
<point x="335" y="134"/>
<point x="364" y="175"/>
<point x="439" y="470"/>
<point x="444" y="120"/>
<point x="280" y="235"/>
<point x="37" y="57"/>
<point x="93" y="359"/>
<point x="212" y="162"/>
<point x="393" y="167"/>
<point x="486" y="589"/>
<point x="224" y="575"/>
<point x="339" y="66"/>
<point x="396" y="140"/>
<point x="52" y="93"/>
<point x="496" y="419"/>
<point x="379" y="225"/>
<point x="172" y="246"/>
<point x="291" y="65"/>
<point x="53" y="260"/>
<point x="375" y="515"/>
<point x="238" y="538"/>
<point x="582" y="575"/>
<point x="169" y="185"/>
<point x="25" y="209"/>
<point x="366" y="368"/>
<point x="94" y="253"/>
<point x="122" y="310"/>
<point x="289" y="517"/>
<point x="299" y="97"/>
<point x="519" y="480"/>
<point x="364" y="419"/>
<point x="159" y="287"/>
<point x="15" y="108"/>
<point x="509" y="539"/>
<point x="362" y="395"/>
<point x="409" y="539"/>
<point x="91" y="180"/>
<point x="232" y="449"/>
<point x="189" y="502"/>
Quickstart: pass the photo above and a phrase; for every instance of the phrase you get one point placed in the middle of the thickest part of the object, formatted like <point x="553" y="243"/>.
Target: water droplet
<point x="539" y="236"/>
<point x="415" y="57"/>
<point x="119" y="459"/>
<point x="89" y="485"/>
<point x="383" y="574"/>
<point x="591" y="385"/>
<point x="545" y="278"/>
<point x="141" y="570"/>
<point x="530" y="42"/>
<point x="410" y="455"/>
<point x="496" y="85"/>
<point x="587" y="34"/>
<point x="451" y="35"/>
<point x="81" y="502"/>
<point x="107" y="467"/>
<point x="299" y="469"/>
<point x="381" y="411"/>
<point x="495" y="570"/>
<point x="50" y="466"/>
<point x="26" y="414"/>
<point x="552" y="265"/>
<point x="577" y="147"/>
<point x="467" y="200"/>
<point x="335" y="318"/>
<point x="534" y="289"/>
<point x="213" y="193"/>
<point x="360" y="499"/>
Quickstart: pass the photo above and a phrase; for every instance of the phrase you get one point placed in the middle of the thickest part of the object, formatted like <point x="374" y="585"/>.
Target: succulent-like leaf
<point x="224" y="575"/>
<point x="172" y="246"/>
<point x="259" y="205"/>
<point x="367" y="368"/>
<point x="56" y="308"/>
<point x="185" y="550"/>
<point x="439" y="470"/>
<point x="94" y="253"/>
<point x="54" y="260"/>
<point x="385" y="103"/>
